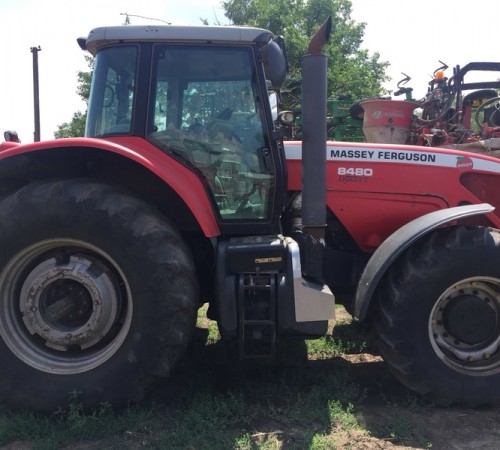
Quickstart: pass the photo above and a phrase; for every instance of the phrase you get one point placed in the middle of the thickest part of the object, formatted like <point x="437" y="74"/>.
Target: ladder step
<point x="257" y="316"/>
<point x="258" y="341"/>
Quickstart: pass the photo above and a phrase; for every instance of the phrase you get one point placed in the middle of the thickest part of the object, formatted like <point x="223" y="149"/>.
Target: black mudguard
<point x="398" y="242"/>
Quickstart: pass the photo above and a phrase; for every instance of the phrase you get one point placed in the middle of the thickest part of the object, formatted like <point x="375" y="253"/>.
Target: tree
<point x="76" y="127"/>
<point x="351" y="71"/>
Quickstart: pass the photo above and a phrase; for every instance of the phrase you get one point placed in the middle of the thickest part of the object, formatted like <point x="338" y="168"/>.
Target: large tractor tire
<point x="98" y="295"/>
<point x="438" y="321"/>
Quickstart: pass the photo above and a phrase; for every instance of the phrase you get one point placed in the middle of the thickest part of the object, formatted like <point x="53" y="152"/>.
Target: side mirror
<point x="11" y="136"/>
<point x="273" y="102"/>
<point x="275" y="63"/>
<point x="283" y="117"/>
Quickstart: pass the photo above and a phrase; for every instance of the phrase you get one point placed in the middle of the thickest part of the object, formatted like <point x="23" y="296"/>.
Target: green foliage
<point x="351" y="71"/>
<point x="73" y="128"/>
<point x="85" y="80"/>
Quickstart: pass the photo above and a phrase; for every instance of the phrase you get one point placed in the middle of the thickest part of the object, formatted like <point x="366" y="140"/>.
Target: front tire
<point x="98" y="295"/>
<point x="438" y="321"/>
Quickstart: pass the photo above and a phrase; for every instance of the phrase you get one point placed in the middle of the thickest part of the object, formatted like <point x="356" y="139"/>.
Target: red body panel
<point x="8" y="144"/>
<point x="374" y="189"/>
<point x="182" y="180"/>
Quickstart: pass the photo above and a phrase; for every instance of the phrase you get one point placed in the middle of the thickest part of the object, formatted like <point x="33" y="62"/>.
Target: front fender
<point x="398" y="242"/>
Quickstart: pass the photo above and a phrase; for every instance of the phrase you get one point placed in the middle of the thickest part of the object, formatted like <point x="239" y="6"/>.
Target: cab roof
<point x="103" y="36"/>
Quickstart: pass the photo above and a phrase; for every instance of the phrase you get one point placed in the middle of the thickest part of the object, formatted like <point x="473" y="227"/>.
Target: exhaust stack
<point x="314" y="97"/>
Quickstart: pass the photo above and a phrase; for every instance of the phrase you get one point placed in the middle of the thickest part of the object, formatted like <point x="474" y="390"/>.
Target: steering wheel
<point x="482" y="108"/>
<point x="199" y="145"/>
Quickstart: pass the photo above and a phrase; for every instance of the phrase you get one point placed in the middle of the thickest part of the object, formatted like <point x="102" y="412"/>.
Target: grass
<point x="213" y="402"/>
<point x="349" y="337"/>
<point x="399" y="428"/>
<point x="53" y="431"/>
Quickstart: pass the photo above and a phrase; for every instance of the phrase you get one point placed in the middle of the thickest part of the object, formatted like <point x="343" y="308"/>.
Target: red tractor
<point x="182" y="193"/>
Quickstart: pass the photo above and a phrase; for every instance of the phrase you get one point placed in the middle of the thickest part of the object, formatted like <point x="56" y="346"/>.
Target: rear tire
<point x="98" y="295"/>
<point x="438" y="321"/>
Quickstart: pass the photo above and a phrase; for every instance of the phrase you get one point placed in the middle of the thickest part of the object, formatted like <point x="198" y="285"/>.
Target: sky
<point x="415" y="36"/>
<point x="55" y="25"/>
<point x="412" y="36"/>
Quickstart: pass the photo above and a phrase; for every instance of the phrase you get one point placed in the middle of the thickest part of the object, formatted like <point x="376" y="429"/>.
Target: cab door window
<point x="207" y="110"/>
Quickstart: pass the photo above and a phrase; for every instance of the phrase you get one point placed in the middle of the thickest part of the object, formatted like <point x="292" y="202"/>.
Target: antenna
<point x="127" y="18"/>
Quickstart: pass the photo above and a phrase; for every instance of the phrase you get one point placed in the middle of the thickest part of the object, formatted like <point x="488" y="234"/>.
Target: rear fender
<point x="186" y="184"/>
<point x="398" y="242"/>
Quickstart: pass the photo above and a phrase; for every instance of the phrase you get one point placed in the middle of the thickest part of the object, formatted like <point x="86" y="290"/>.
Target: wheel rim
<point x="66" y="306"/>
<point x="464" y="326"/>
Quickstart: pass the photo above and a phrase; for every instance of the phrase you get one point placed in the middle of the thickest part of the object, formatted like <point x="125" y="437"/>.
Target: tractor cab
<point x="201" y="98"/>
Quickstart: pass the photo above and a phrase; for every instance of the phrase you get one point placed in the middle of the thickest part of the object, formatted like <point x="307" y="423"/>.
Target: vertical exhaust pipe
<point x="314" y="98"/>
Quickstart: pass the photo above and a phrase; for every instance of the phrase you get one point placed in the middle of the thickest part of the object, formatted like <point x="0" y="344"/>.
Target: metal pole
<point x="36" y="92"/>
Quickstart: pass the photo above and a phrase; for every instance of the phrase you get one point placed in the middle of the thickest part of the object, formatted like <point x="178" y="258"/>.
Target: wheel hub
<point x="69" y="305"/>
<point x="469" y="318"/>
<point x="464" y="325"/>
<point x="66" y="306"/>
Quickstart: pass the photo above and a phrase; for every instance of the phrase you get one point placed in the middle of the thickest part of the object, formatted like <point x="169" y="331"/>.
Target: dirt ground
<point x="420" y="425"/>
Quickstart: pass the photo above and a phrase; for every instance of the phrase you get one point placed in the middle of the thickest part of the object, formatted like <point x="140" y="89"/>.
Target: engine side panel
<point x="374" y="189"/>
